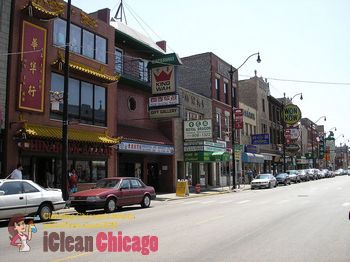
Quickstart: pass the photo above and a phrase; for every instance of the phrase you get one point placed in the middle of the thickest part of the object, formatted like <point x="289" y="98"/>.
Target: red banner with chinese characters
<point x="238" y="118"/>
<point x="33" y="59"/>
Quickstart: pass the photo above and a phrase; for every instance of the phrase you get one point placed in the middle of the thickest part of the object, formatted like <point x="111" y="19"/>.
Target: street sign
<point x="293" y="147"/>
<point x="291" y="114"/>
<point x="260" y="139"/>
<point x="167" y="59"/>
<point x="198" y="129"/>
<point x="238" y="118"/>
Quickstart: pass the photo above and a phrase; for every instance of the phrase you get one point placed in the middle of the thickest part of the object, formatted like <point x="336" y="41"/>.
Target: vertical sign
<point x="163" y="80"/>
<point x="287" y="136"/>
<point x="321" y="148"/>
<point x="238" y="118"/>
<point x="31" y="86"/>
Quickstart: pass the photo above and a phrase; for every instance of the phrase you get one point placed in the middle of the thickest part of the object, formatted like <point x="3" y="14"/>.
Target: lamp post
<point x="64" y="178"/>
<point x="231" y="72"/>
<point x="284" y="128"/>
<point x="312" y="140"/>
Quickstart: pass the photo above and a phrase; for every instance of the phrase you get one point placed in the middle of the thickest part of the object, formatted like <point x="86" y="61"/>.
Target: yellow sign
<point x="182" y="188"/>
<point x="291" y="114"/>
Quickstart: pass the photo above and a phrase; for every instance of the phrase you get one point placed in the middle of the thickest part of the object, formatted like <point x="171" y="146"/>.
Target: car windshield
<point x="281" y="175"/>
<point x="262" y="177"/>
<point x="107" y="183"/>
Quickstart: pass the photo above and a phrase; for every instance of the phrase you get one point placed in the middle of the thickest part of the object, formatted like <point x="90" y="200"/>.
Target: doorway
<point x="153" y="173"/>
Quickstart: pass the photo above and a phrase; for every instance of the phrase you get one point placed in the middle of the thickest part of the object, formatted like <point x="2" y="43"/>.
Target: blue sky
<point x="297" y="40"/>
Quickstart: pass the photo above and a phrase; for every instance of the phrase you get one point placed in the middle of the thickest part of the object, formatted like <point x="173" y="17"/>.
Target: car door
<point x="138" y="191"/>
<point x="126" y="193"/>
<point x="34" y="197"/>
<point x="13" y="202"/>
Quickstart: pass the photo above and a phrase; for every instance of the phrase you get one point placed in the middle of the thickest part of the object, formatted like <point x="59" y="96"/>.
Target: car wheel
<point x="110" y="205"/>
<point x="80" y="210"/>
<point x="285" y="183"/>
<point x="146" y="201"/>
<point x="45" y="211"/>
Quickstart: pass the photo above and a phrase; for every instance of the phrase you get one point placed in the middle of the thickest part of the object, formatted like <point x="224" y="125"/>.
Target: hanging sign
<point x="163" y="80"/>
<point x="291" y="114"/>
<point x="238" y="118"/>
<point x="32" y="71"/>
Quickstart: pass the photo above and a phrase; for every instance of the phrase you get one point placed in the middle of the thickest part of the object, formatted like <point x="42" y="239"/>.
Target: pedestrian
<point x="250" y="175"/>
<point x="73" y="180"/>
<point x="17" y="173"/>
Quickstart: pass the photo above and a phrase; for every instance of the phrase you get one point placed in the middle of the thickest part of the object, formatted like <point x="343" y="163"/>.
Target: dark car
<point x="283" y="178"/>
<point x="294" y="176"/>
<point x="113" y="193"/>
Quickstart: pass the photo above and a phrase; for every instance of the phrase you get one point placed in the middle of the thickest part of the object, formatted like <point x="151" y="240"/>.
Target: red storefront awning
<point x="152" y="136"/>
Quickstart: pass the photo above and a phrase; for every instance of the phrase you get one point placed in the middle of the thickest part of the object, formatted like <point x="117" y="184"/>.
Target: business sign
<point x="164" y="112"/>
<point x="203" y="148"/>
<point x="250" y="149"/>
<point x="33" y="60"/>
<point x="287" y="136"/>
<point x="198" y="129"/>
<point x="291" y="114"/>
<point x="145" y="148"/>
<point x="197" y="156"/>
<point x="294" y="133"/>
<point x="163" y="80"/>
<point x="260" y="139"/>
<point x="172" y="58"/>
<point x="238" y="118"/>
<point x="204" y="143"/>
<point x="168" y="100"/>
<point x="292" y="147"/>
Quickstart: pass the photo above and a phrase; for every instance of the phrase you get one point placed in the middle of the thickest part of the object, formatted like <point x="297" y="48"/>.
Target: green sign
<point x="291" y="114"/>
<point x="172" y="59"/>
<point x="198" y="156"/>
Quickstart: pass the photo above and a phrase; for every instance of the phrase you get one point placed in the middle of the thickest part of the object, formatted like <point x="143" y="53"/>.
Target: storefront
<point x="40" y="149"/>
<point x="207" y="163"/>
<point x="254" y="162"/>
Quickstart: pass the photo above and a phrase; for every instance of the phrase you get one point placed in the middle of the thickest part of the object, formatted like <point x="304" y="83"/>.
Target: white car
<point x="264" y="181"/>
<point x="24" y="197"/>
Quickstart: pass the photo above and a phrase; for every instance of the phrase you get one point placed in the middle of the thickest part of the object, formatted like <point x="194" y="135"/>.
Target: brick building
<point x="35" y="88"/>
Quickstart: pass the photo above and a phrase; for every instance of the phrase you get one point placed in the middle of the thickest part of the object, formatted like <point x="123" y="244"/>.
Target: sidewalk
<point x="204" y="192"/>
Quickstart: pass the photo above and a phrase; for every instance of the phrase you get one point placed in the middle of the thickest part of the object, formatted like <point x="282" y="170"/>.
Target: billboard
<point x="198" y="129"/>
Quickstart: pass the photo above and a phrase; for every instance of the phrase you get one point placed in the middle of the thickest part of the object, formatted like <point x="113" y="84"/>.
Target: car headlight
<point x="93" y="198"/>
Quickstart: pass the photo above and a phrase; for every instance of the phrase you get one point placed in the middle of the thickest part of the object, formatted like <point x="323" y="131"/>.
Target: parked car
<point x="112" y="193"/>
<point x="304" y="176"/>
<point x="311" y="174"/>
<point x="283" y="178"/>
<point x="264" y="181"/>
<point x="326" y="173"/>
<point x="339" y="172"/>
<point x="294" y="176"/>
<point x="24" y="197"/>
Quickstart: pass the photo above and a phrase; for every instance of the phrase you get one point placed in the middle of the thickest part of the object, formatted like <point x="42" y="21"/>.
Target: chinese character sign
<point x="238" y="118"/>
<point x="31" y="86"/>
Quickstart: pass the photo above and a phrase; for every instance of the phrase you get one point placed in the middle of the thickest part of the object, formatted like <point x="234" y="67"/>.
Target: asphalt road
<point x="303" y="222"/>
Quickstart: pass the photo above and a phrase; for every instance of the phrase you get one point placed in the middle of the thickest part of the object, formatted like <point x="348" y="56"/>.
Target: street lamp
<point x="231" y="72"/>
<point x="312" y="140"/>
<point x="335" y="129"/>
<point x="284" y="129"/>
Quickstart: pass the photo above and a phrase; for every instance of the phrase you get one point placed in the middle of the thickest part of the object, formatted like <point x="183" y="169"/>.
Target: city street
<point x="302" y="222"/>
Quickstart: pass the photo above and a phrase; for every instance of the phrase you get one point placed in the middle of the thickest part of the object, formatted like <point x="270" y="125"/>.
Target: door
<point x="13" y="202"/>
<point x="126" y="193"/>
<point x="34" y="197"/>
<point x="153" y="172"/>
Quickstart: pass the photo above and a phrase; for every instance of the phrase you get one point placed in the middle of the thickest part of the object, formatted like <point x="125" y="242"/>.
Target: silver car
<point x="264" y="181"/>
<point x="24" y="197"/>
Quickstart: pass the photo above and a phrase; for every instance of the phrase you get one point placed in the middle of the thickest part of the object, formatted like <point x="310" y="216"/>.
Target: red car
<point x="113" y="193"/>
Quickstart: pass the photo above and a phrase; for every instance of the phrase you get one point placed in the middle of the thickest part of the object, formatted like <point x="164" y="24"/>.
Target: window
<point x="82" y="41"/>
<point x="143" y="71"/>
<point x="98" y="170"/>
<point x="226" y="92"/>
<point x="218" y="125"/>
<point x="131" y="103"/>
<point x="88" y="44"/>
<point x="118" y="60"/>
<point x="217" y="87"/>
<point x="135" y="183"/>
<point x="100" y="106"/>
<point x="75" y="38"/>
<point x="59" y="33"/>
<point x="254" y="130"/>
<point x="101" y="49"/>
<point x="251" y="129"/>
<point x="233" y="97"/>
<point x="86" y="102"/>
<point x="125" y="184"/>
<point x="28" y="188"/>
<point x="73" y="98"/>
<point x="246" y="129"/>
<point x="263" y="105"/>
<point x="11" y="188"/>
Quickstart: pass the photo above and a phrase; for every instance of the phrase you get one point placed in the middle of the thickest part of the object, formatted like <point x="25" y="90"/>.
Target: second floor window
<point x="218" y="125"/>
<point x="226" y="92"/>
<point x="118" y="61"/>
<point x="143" y="70"/>
<point x="86" y="102"/>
